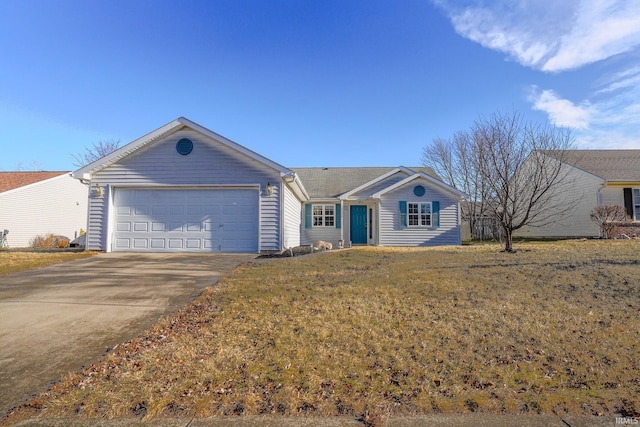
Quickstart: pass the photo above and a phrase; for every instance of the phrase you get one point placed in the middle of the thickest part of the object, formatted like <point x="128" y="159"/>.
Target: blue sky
<point x="311" y="83"/>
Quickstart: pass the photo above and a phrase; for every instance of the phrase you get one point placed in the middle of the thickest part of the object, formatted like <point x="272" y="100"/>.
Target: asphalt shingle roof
<point x="13" y="180"/>
<point x="612" y="165"/>
<point x="332" y="182"/>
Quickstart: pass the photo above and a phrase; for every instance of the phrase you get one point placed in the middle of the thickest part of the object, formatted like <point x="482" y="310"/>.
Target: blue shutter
<point x="435" y="213"/>
<point x="403" y="214"/>
<point x="628" y="201"/>
<point x="308" y="219"/>
<point x="338" y="216"/>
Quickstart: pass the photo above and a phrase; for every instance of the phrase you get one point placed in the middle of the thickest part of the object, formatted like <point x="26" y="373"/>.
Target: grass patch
<point x="371" y="332"/>
<point x="13" y="261"/>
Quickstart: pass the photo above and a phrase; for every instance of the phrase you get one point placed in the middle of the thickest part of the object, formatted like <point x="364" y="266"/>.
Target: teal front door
<point x="358" y="219"/>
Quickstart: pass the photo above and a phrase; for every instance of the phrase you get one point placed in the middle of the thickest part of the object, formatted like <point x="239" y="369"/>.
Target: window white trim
<point x="323" y="215"/>
<point x="419" y="214"/>
<point x="635" y="198"/>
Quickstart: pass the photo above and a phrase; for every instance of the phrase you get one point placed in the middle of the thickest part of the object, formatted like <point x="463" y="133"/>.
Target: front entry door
<point x="358" y="219"/>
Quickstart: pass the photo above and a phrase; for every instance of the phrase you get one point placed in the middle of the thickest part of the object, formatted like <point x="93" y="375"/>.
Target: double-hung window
<point x="324" y="215"/>
<point x="419" y="214"/>
<point x="636" y="204"/>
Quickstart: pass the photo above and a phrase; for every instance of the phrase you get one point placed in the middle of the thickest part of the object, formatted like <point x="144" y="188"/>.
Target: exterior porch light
<point x="269" y="189"/>
<point x="98" y="190"/>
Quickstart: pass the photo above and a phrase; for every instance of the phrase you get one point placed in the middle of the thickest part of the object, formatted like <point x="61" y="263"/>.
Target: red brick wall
<point x="631" y="229"/>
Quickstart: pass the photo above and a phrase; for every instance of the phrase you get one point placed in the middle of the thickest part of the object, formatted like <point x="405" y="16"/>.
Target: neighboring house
<point x="596" y="177"/>
<point x="40" y="203"/>
<point x="183" y="187"/>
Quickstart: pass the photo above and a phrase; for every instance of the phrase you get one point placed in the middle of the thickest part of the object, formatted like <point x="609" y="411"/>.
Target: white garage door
<point x="186" y="220"/>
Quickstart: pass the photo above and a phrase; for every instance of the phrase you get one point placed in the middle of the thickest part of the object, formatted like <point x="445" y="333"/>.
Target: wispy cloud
<point x="550" y="35"/>
<point x="562" y="112"/>
<point x="602" y="28"/>
<point x="561" y="36"/>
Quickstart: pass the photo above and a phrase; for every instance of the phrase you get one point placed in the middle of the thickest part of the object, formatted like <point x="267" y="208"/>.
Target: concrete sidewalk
<point x="469" y="420"/>
<point x="56" y="319"/>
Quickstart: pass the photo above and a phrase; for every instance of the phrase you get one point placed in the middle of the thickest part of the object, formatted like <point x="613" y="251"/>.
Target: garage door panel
<point x="123" y="226"/>
<point x="140" y="243"/>
<point x="175" y="243"/>
<point x="193" y="243"/>
<point x="122" y="244"/>
<point x="123" y="210"/>
<point x="186" y="220"/>
<point x="141" y="226"/>
<point x="159" y="210"/>
<point x="158" y="244"/>
<point x="193" y="226"/>
<point x="176" y="210"/>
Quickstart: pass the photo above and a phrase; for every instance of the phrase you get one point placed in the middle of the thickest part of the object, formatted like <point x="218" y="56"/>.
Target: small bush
<point x="49" y="241"/>
<point x="608" y="218"/>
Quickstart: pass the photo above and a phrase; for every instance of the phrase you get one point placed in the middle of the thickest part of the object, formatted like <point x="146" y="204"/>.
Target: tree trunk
<point x="508" y="239"/>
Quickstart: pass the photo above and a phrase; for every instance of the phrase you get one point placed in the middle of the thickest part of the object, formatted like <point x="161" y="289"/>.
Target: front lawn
<point x="13" y="261"/>
<point x="367" y="332"/>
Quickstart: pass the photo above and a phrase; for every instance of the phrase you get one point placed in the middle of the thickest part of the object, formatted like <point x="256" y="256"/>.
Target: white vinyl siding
<point x="312" y="233"/>
<point x="292" y="219"/>
<point x="379" y="186"/>
<point x="393" y="233"/>
<point x="54" y="206"/>
<point x="580" y="186"/>
<point x="209" y="164"/>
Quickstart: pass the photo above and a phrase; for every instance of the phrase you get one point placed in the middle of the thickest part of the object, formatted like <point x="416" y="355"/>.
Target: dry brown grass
<point x="371" y="332"/>
<point x="14" y="261"/>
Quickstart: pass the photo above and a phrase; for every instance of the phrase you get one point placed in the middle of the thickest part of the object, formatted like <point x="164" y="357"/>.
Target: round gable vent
<point x="184" y="146"/>
<point x="418" y="190"/>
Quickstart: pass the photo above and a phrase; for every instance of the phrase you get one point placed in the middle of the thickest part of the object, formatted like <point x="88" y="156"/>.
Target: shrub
<point x="608" y="217"/>
<point x="49" y="241"/>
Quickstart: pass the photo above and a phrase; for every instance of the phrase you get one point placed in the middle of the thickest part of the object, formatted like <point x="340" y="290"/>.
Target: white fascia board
<point x="292" y="181"/>
<point x="86" y="171"/>
<point x="424" y="176"/>
<point x="324" y="200"/>
<point x="244" y="150"/>
<point x="348" y="194"/>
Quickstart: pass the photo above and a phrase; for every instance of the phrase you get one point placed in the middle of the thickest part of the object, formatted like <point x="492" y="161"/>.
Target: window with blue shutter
<point x="308" y="218"/>
<point x="419" y="214"/>
<point x="403" y="214"/>
<point x="322" y="216"/>
<point x="435" y="209"/>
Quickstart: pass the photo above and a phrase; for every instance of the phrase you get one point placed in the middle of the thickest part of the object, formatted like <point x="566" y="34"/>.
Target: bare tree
<point x="35" y="166"/>
<point x="452" y="160"/>
<point x="608" y="218"/>
<point x="513" y="171"/>
<point x="97" y="150"/>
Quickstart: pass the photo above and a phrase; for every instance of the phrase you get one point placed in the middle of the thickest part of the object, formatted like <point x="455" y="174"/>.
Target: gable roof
<point x="611" y="165"/>
<point x="424" y="176"/>
<point x="329" y="183"/>
<point x="13" y="180"/>
<point x="179" y="123"/>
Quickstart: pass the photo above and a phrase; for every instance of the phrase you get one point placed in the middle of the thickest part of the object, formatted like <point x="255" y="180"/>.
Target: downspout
<point x="599" y="201"/>
<point x="283" y="240"/>
<point x="599" y="195"/>
<point x="87" y="182"/>
<point x="342" y="219"/>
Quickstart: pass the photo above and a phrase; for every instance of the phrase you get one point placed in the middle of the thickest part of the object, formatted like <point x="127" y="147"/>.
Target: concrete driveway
<point x="56" y="319"/>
